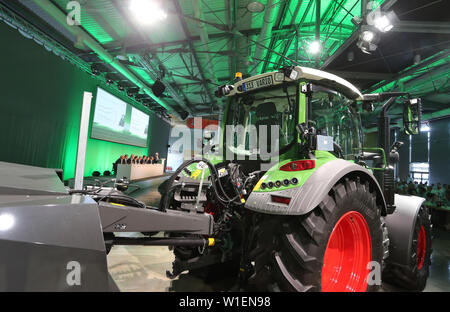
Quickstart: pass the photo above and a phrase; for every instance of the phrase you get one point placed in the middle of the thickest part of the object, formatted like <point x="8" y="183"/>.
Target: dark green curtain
<point x="40" y="106"/>
<point x="403" y="164"/>
<point x="419" y="151"/>
<point x="440" y="151"/>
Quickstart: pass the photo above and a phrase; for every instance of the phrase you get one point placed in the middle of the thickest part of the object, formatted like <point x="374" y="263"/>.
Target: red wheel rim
<point x="421" y="247"/>
<point x="348" y="252"/>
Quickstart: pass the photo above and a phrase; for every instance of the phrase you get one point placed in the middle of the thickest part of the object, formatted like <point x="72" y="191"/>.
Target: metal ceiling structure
<point x="202" y="43"/>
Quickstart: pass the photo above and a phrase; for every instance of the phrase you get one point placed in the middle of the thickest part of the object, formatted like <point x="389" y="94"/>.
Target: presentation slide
<point x="118" y="121"/>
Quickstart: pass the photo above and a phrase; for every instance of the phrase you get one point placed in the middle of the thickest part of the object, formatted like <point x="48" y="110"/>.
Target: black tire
<point x="414" y="278"/>
<point x="295" y="246"/>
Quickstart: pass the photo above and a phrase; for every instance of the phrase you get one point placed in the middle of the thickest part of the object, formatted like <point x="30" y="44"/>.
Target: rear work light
<point x="299" y="165"/>
<point x="280" y="200"/>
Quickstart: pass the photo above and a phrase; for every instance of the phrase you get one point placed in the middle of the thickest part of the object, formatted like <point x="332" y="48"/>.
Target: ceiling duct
<point x="205" y="43"/>
<point x="270" y="18"/>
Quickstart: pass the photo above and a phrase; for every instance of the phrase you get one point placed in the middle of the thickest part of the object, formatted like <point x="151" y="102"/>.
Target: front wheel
<point x="329" y="249"/>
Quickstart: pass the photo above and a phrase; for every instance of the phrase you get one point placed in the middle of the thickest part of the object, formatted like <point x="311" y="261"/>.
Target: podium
<point x="139" y="172"/>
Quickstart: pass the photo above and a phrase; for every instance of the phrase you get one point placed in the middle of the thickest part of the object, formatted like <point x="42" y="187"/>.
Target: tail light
<point x="281" y="199"/>
<point x="299" y="165"/>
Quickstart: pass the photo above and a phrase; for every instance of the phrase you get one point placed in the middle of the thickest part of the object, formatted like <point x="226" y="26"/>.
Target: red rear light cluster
<point x="299" y="165"/>
<point x="281" y="200"/>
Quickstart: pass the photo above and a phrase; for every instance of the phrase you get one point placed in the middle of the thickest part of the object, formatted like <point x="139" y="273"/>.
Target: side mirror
<point x="412" y="116"/>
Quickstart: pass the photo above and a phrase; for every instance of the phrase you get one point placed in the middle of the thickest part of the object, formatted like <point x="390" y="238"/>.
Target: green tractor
<point x="299" y="204"/>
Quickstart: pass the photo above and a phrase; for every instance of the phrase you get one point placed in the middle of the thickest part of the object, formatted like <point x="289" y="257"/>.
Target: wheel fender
<point x="400" y="225"/>
<point x="307" y="196"/>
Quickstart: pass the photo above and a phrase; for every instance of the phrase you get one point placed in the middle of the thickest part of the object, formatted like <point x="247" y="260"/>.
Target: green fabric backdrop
<point x="40" y="106"/>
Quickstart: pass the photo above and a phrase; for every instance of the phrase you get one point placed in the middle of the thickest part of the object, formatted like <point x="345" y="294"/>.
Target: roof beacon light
<point x="238" y="76"/>
<point x="290" y="72"/>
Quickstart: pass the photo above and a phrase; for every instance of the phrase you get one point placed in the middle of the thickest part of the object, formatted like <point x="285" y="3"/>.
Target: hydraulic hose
<point x="215" y="181"/>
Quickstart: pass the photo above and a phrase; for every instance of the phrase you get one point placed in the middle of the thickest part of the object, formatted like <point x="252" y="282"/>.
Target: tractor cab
<point x="263" y="115"/>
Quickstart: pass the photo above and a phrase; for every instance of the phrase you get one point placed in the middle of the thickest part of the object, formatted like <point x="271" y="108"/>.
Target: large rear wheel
<point x="329" y="249"/>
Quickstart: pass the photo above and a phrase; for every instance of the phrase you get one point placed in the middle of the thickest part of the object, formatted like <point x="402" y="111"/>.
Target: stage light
<point x="350" y="56"/>
<point x="367" y="35"/>
<point x="383" y="24"/>
<point x="384" y="21"/>
<point x="147" y="11"/>
<point x="7" y="221"/>
<point x="372" y="26"/>
<point x="255" y="7"/>
<point x="366" y="47"/>
<point x="94" y="70"/>
<point x="314" y="47"/>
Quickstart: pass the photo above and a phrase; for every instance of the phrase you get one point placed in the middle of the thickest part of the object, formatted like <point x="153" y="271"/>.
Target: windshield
<point x="333" y="116"/>
<point x="267" y="115"/>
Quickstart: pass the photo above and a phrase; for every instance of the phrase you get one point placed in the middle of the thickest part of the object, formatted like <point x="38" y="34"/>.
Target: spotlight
<point x="255" y="7"/>
<point x="94" y="70"/>
<point x="147" y="11"/>
<point x="109" y="82"/>
<point x="314" y="47"/>
<point x="376" y="22"/>
<point x="368" y="39"/>
<point x="417" y="59"/>
<point x="386" y="22"/>
<point x="120" y="87"/>
<point x="382" y="21"/>
<point x="367" y="35"/>
<point x="350" y="56"/>
<point x="366" y="47"/>
<point x="132" y="91"/>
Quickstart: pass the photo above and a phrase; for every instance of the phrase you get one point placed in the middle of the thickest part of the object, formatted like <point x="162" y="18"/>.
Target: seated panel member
<point x="118" y="161"/>
<point x="125" y="159"/>
<point x="131" y="159"/>
<point x="156" y="158"/>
